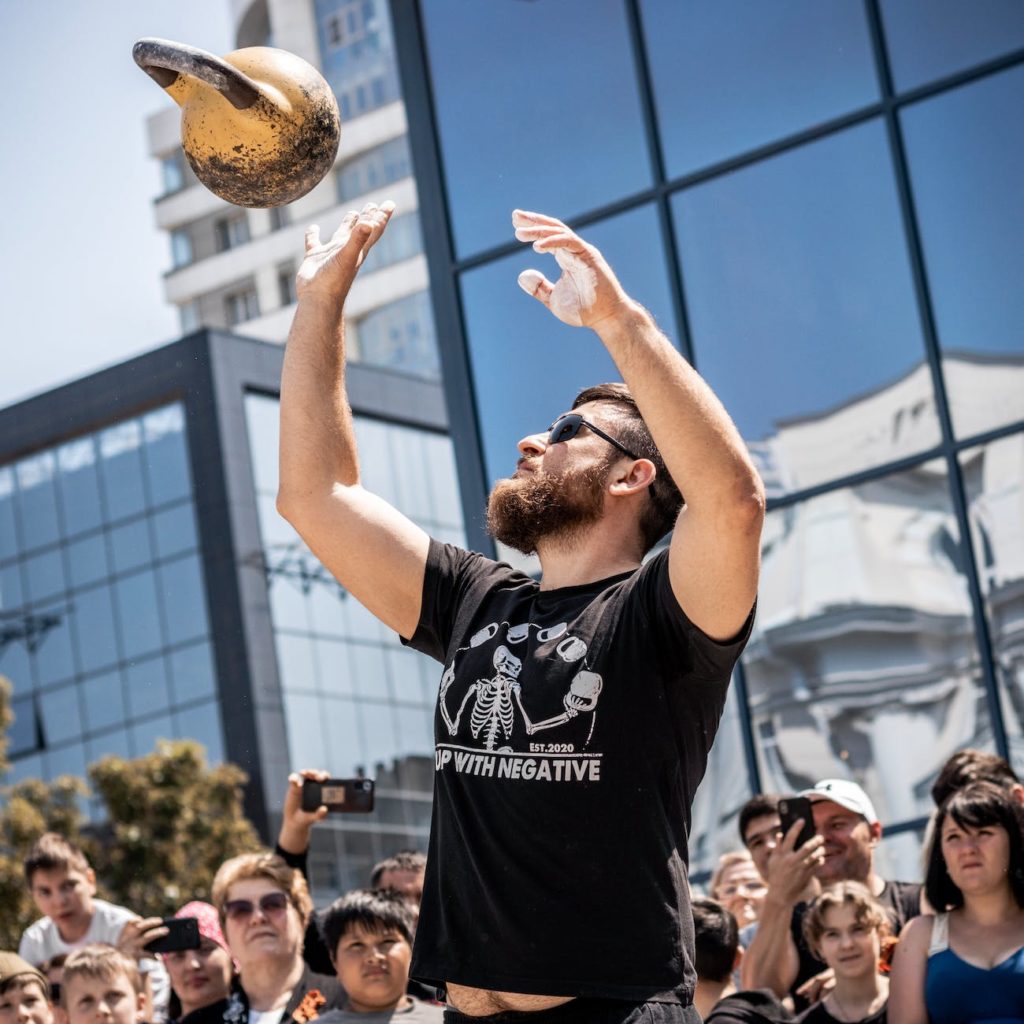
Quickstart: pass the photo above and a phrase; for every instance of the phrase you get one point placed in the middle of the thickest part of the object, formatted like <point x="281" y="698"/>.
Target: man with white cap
<point x="848" y="830"/>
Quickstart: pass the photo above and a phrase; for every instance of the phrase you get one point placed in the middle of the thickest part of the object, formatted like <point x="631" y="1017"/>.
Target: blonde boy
<point x="102" y="985"/>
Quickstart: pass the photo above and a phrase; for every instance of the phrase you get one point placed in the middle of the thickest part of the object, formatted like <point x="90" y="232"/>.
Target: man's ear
<point x="90" y="878"/>
<point x="876" y="832"/>
<point x="634" y="478"/>
<point x="738" y="959"/>
<point x="141" y="1007"/>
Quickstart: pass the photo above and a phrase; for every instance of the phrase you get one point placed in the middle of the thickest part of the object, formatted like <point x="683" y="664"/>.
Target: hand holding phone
<point x="797" y="808"/>
<point x="182" y="933"/>
<point x="340" y="796"/>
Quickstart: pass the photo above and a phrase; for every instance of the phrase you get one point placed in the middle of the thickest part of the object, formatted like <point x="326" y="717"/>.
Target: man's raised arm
<point x="714" y="558"/>
<point x="376" y="553"/>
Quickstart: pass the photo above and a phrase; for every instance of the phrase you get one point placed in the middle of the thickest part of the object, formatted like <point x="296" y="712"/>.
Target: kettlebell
<point x="260" y="127"/>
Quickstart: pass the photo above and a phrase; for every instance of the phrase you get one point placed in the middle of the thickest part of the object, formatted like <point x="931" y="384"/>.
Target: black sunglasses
<point x="271" y="904"/>
<point x="566" y="427"/>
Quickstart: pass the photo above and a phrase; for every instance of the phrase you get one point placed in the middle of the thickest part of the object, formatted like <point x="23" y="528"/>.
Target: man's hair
<point x="375" y="910"/>
<point x="52" y="852"/>
<point x="757" y="807"/>
<point x="98" y="960"/>
<point x="261" y="865"/>
<point x="967" y="766"/>
<point x="660" y="512"/>
<point x="403" y="860"/>
<point x="867" y="911"/>
<point x="976" y="805"/>
<point x="716" y="937"/>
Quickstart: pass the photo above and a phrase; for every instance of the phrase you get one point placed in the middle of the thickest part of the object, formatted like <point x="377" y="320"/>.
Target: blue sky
<point x="82" y="263"/>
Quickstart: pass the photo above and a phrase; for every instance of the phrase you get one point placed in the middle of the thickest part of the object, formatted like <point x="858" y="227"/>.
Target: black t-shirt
<point x="900" y="900"/>
<point x="572" y="729"/>
<point x="754" y="1006"/>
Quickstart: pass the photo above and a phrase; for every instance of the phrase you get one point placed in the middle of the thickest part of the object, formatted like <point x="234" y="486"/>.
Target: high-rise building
<point x="820" y="204"/>
<point x="234" y="268"/>
<point x="148" y="588"/>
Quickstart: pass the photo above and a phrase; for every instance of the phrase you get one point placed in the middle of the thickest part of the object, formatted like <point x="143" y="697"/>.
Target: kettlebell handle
<point x="163" y="61"/>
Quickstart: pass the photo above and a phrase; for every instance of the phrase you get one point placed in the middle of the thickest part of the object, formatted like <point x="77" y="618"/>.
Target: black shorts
<point x="587" y="1011"/>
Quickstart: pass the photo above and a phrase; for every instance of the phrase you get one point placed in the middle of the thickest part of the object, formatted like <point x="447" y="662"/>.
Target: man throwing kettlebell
<point x="575" y="713"/>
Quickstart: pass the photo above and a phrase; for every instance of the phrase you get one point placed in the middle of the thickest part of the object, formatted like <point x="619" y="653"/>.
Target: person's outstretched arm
<point x="714" y="557"/>
<point x="375" y="552"/>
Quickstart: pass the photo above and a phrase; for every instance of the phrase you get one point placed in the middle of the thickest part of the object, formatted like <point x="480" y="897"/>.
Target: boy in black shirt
<point x="575" y="714"/>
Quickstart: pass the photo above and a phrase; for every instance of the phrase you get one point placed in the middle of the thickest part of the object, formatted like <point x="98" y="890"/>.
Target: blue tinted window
<point x="103" y="698"/>
<point x="8" y="530"/>
<point x="94" y="627"/>
<point x="372" y="170"/>
<point x="14" y="663"/>
<point x="527" y="365"/>
<point x="62" y="714"/>
<point x="130" y="545"/>
<point x="802" y="309"/>
<point x="175" y="530"/>
<point x="400" y="335"/>
<point x="202" y="723"/>
<point x="736" y="74"/>
<point x="68" y="760"/>
<point x="184" y="603"/>
<point x="928" y="39"/>
<point x="192" y="671"/>
<point x="306" y="720"/>
<point x="121" y="469"/>
<point x="113" y="743"/>
<point x="166" y="454"/>
<point x="79" y="486"/>
<point x="87" y="560"/>
<point x="53" y="658"/>
<point x="37" y="500"/>
<point x="139" y="614"/>
<point x="44" y="574"/>
<point x="146" y="686"/>
<point x="295" y="661"/>
<point x="966" y="155"/>
<point x="11" y="593"/>
<point x="145" y="734"/>
<point x="23" y="734"/>
<point x="558" y="127"/>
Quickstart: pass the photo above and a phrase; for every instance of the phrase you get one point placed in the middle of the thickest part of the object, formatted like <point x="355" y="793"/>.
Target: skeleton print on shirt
<point x="494" y="702"/>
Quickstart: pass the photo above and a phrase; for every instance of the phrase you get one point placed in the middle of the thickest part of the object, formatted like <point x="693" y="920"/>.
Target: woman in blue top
<point x="965" y="965"/>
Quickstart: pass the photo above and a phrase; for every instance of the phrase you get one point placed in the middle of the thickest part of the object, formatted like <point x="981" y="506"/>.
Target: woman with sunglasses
<point x="264" y="907"/>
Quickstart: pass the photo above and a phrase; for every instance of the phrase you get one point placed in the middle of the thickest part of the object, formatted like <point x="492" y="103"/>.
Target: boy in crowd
<point x="24" y="993"/>
<point x="718" y="953"/>
<point x="369" y="935"/>
<point x="102" y="985"/>
<point x="63" y="886"/>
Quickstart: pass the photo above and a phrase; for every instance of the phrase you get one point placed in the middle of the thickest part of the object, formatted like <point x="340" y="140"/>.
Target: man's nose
<point x="533" y="444"/>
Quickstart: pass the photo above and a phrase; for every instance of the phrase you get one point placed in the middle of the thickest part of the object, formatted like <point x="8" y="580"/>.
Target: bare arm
<point x="772" y="960"/>
<point x="714" y="557"/>
<point x="373" y="550"/>
<point x="909" y="967"/>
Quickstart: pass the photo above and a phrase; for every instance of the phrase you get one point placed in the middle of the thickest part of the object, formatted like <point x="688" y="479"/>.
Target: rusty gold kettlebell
<point x="260" y="127"/>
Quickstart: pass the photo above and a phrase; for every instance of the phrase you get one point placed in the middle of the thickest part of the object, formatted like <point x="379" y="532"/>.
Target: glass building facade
<point x="820" y="204"/>
<point x="356" y="701"/>
<point x="106" y="636"/>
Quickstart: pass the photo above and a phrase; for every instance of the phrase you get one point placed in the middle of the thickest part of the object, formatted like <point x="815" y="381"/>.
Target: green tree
<point x="172" y="821"/>
<point x="169" y="823"/>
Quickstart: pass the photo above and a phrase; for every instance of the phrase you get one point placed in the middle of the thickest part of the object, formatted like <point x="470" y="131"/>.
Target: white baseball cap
<point x="845" y="793"/>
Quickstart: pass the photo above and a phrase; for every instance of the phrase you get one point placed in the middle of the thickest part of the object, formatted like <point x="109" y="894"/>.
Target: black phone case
<point x="798" y="809"/>
<point x="183" y="934"/>
<point x="359" y="795"/>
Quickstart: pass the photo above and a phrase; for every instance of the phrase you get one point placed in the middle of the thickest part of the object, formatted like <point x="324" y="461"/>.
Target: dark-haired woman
<point x="967" y="963"/>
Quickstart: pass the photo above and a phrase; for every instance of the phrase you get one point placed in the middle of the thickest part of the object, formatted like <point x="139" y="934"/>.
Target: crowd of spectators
<point x="791" y="931"/>
<point x="263" y="955"/>
<point x="829" y="939"/>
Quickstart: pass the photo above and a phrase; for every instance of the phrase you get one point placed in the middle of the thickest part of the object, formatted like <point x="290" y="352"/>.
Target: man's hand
<point x="588" y="291"/>
<point x="329" y="269"/>
<point x="296" y="824"/>
<point x="815" y="989"/>
<point x="790" y="869"/>
<point x="137" y="933"/>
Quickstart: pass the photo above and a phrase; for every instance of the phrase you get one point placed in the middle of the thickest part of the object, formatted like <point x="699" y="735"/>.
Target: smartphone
<point x="182" y="933"/>
<point x="342" y="796"/>
<point x="797" y="808"/>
